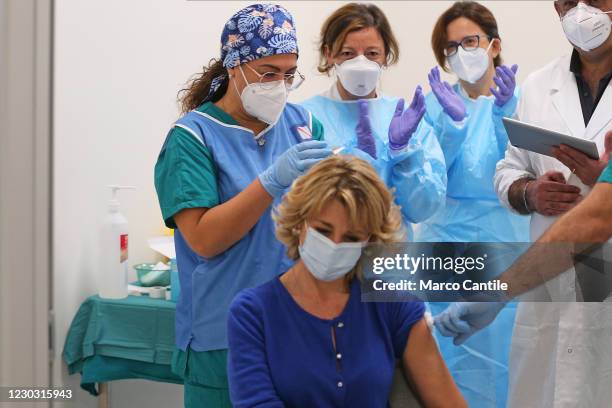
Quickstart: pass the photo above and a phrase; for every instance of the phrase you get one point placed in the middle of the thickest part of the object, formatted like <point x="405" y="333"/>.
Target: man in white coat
<point x="561" y="352"/>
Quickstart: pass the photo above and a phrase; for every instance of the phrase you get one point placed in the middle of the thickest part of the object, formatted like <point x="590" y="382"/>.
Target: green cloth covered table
<point x="121" y="339"/>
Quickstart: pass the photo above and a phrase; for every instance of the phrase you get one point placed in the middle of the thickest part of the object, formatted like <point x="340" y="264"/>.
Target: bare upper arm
<point x="588" y="222"/>
<point x="601" y="201"/>
<point x="187" y="221"/>
<point x="426" y="369"/>
<point x="600" y="206"/>
<point x="420" y="341"/>
<point x="595" y="212"/>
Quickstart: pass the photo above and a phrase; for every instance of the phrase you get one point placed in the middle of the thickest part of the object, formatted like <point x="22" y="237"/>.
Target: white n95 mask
<point x="470" y="66"/>
<point x="326" y="260"/>
<point x="264" y="101"/>
<point x="586" y="27"/>
<point x="359" y="75"/>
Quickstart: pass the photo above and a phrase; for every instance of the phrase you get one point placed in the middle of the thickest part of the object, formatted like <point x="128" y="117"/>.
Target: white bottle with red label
<point x="113" y="276"/>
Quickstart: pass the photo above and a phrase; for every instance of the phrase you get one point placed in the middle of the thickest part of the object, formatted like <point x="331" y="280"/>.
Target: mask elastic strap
<point x="235" y="86"/>
<point x="243" y="76"/>
<point x="245" y="80"/>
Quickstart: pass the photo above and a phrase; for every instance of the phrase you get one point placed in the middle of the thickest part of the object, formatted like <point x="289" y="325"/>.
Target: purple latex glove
<point x="405" y="123"/>
<point x="365" y="139"/>
<point x="505" y="79"/>
<point x="447" y="97"/>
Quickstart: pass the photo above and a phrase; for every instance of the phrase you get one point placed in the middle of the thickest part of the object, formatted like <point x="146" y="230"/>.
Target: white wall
<point x="118" y="67"/>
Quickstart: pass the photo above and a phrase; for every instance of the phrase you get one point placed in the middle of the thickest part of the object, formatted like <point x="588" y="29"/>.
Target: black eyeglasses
<point x="469" y="43"/>
<point x="567" y="5"/>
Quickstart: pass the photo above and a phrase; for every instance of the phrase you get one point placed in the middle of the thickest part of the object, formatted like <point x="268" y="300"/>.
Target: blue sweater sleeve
<point x="401" y="317"/>
<point x="250" y="382"/>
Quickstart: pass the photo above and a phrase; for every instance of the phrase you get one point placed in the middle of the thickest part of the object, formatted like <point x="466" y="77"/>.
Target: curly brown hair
<point x="198" y="87"/>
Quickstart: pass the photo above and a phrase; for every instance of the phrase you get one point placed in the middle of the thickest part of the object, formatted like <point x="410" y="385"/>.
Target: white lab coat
<point x="561" y="353"/>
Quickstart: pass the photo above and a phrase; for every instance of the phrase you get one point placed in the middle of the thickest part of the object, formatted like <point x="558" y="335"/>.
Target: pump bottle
<point x="113" y="277"/>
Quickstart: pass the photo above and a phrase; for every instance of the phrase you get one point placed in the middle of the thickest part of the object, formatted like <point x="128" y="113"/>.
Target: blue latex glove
<point x="291" y="164"/>
<point x="462" y="319"/>
<point x="365" y="139"/>
<point x="505" y="79"/>
<point x="405" y="123"/>
<point x="447" y="97"/>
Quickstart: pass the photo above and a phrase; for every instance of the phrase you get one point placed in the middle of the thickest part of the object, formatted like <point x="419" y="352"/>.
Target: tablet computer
<point x="540" y="140"/>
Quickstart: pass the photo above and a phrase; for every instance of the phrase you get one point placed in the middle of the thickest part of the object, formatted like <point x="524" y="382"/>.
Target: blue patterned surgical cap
<point x="256" y="31"/>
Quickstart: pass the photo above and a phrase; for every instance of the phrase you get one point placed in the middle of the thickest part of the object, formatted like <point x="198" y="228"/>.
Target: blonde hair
<point x="355" y="184"/>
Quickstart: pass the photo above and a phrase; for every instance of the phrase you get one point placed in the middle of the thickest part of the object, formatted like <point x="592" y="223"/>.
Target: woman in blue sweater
<point x="305" y="338"/>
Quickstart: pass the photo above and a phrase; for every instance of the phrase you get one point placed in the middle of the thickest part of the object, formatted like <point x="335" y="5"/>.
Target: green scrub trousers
<point x="205" y="377"/>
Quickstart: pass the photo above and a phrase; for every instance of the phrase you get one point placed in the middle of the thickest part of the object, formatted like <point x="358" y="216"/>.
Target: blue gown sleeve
<point x="250" y="381"/>
<point x="450" y="134"/>
<point x="500" y="112"/>
<point x="418" y="174"/>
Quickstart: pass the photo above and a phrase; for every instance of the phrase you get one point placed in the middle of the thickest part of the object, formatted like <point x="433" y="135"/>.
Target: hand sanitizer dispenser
<point x="113" y="278"/>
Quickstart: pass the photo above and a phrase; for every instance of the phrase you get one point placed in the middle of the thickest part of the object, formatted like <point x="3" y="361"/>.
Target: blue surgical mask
<point x="326" y="260"/>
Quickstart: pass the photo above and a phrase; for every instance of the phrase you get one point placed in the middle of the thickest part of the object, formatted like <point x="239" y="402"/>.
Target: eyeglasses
<point x="469" y="43"/>
<point x="268" y="79"/>
<point x="567" y="5"/>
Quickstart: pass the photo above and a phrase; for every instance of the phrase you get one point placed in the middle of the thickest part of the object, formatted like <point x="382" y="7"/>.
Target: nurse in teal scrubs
<point x="224" y="164"/>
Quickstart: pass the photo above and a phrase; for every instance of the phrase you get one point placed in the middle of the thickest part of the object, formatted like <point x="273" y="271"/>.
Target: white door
<point x="25" y="196"/>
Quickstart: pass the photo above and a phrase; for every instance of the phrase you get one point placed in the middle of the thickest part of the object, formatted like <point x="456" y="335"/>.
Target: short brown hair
<point x="356" y="185"/>
<point x="471" y="10"/>
<point x="354" y="17"/>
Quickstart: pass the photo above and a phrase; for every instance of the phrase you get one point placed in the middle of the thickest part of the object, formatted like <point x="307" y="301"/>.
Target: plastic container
<point x="148" y="276"/>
